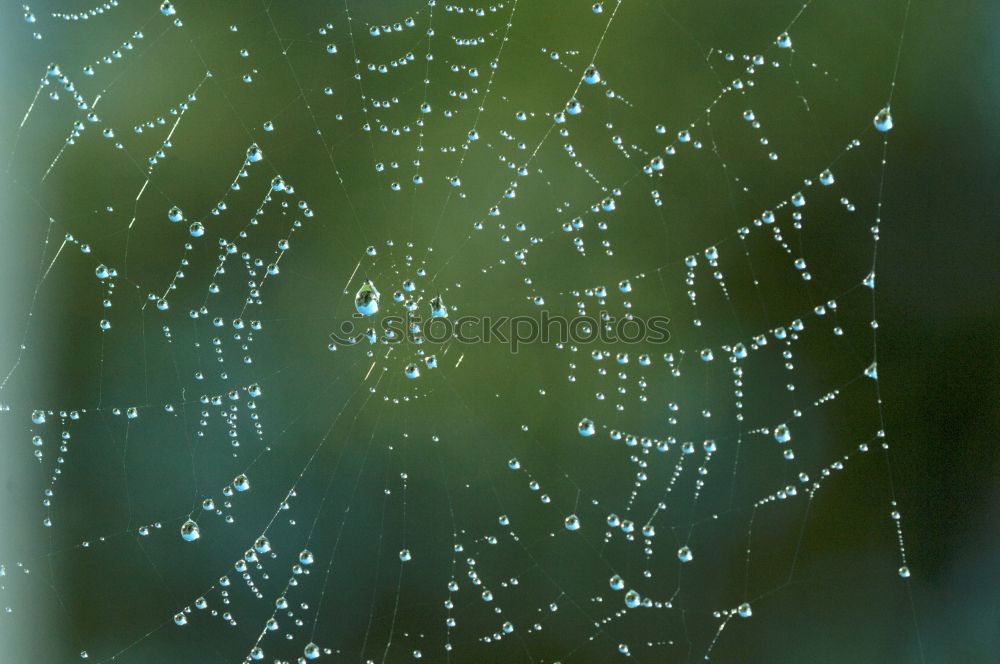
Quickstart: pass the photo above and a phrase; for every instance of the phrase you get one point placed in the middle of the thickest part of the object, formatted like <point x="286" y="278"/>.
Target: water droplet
<point x="782" y="434"/>
<point x="883" y="120"/>
<point x="190" y="531"/>
<point x="438" y="308"/>
<point x="366" y="300"/>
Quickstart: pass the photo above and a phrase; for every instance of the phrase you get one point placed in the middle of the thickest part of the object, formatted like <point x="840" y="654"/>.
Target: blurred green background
<point x="823" y="583"/>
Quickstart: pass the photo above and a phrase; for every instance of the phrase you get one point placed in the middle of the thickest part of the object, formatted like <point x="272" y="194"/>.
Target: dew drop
<point x="190" y="531"/>
<point x="883" y="120"/>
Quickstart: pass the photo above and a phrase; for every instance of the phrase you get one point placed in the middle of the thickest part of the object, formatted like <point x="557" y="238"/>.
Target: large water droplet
<point x="190" y="531"/>
<point x="782" y="434"/>
<point x="438" y="308"/>
<point x="366" y="300"/>
<point x="883" y="120"/>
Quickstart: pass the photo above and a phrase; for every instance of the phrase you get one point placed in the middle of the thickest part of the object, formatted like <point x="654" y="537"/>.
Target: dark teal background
<point x="826" y="592"/>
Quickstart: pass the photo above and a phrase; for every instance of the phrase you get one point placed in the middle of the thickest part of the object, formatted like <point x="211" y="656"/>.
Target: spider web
<point x="202" y="474"/>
